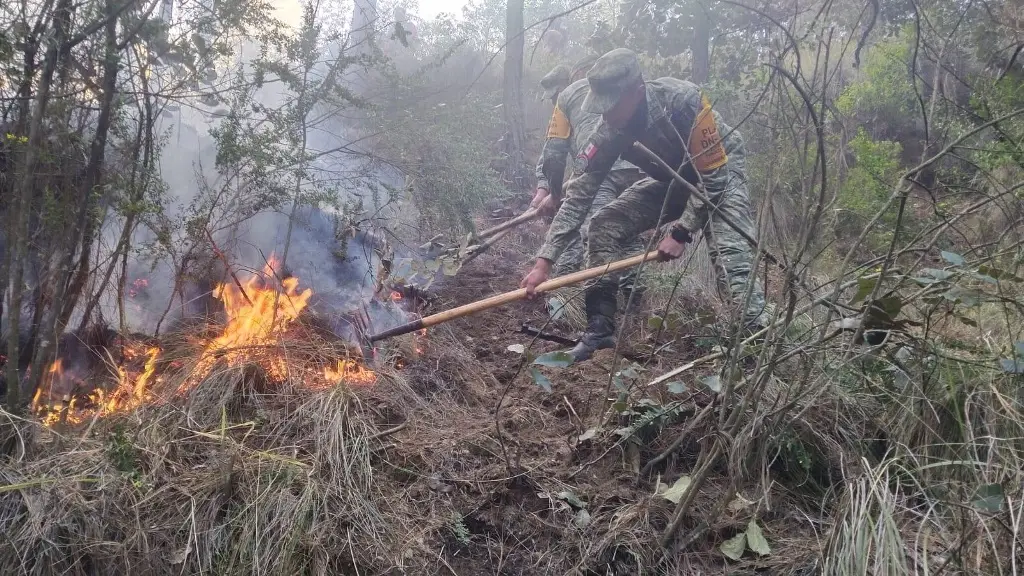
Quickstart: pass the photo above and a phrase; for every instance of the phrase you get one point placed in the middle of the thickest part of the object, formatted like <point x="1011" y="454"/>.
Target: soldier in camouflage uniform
<point x="674" y="120"/>
<point x="567" y="132"/>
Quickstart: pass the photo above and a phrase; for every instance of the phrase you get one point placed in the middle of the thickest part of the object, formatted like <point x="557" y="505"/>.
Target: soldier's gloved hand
<point x="535" y="277"/>
<point x="674" y="243"/>
<point x="539" y="197"/>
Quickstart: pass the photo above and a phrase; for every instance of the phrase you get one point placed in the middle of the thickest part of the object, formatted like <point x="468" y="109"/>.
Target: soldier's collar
<point x="655" y="111"/>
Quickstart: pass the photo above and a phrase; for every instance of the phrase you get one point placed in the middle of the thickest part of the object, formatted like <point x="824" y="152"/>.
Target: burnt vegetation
<point x="209" y="207"/>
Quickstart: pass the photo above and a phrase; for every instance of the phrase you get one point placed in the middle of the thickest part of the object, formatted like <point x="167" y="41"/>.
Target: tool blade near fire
<point x="268" y="326"/>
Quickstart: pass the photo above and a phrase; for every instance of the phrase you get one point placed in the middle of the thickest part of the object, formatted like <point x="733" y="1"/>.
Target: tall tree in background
<point x="700" y="45"/>
<point x="512" y="100"/>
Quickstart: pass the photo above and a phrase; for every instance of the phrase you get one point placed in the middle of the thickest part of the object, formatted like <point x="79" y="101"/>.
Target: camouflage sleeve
<point x="591" y="167"/>
<point x="551" y="167"/>
<point x="542" y="179"/>
<point x="707" y="152"/>
<point x="556" y="146"/>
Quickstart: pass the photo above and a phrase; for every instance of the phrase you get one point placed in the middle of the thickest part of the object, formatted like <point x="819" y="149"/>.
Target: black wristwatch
<point x="680" y="234"/>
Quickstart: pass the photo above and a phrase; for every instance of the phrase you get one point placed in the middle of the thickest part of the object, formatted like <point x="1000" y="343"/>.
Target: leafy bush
<point x="868" y="184"/>
<point x="883" y="96"/>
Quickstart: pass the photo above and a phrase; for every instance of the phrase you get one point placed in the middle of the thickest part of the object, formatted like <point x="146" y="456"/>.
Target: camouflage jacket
<point x="567" y="133"/>
<point x="678" y="125"/>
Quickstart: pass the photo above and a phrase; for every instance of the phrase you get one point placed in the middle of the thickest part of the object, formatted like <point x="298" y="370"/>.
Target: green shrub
<point x="883" y="95"/>
<point x="868" y="185"/>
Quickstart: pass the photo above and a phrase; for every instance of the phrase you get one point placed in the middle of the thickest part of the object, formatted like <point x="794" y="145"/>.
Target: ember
<point x="349" y="371"/>
<point x="137" y="286"/>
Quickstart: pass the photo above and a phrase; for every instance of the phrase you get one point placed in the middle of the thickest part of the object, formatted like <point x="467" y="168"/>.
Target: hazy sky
<point x="288" y="10"/>
<point x="431" y="8"/>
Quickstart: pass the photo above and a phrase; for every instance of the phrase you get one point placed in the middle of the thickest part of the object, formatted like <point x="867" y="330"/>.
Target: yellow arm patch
<point x="558" y="126"/>
<point x="705" y="142"/>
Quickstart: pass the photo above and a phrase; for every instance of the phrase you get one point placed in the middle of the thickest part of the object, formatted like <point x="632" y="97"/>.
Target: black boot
<point x="636" y="293"/>
<point x="600" y="334"/>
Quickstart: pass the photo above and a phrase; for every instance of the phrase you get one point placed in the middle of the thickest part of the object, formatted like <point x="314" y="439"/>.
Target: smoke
<point x="339" y="267"/>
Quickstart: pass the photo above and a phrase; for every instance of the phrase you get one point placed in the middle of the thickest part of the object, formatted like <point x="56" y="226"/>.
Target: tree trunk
<point x="700" y="46"/>
<point x="70" y="280"/>
<point x="22" y="207"/>
<point x="512" y="109"/>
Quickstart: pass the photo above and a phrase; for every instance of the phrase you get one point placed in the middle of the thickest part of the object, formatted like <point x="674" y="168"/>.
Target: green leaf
<point x="755" y="539"/>
<point x="556" y="308"/>
<point x="970" y="298"/>
<point x="571" y="498"/>
<point x="629" y="372"/>
<point x="734" y="547"/>
<point x="864" y="288"/>
<point x="655" y="322"/>
<point x="924" y="281"/>
<point x="988" y="498"/>
<point x="985" y="278"/>
<point x="892" y="305"/>
<point x="1012" y="366"/>
<point x="450" y="267"/>
<point x="953" y="258"/>
<point x="937" y="274"/>
<point x="998" y="274"/>
<point x="882" y="312"/>
<point x="582" y="518"/>
<point x="558" y="359"/>
<point x="1019" y="347"/>
<point x="676" y="492"/>
<point x="590" y="433"/>
<point x="714" y="383"/>
<point x="619" y="384"/>
<point x="676" y="387"/>
<point x="967" y="321"/>
<point x="540" y="379"/>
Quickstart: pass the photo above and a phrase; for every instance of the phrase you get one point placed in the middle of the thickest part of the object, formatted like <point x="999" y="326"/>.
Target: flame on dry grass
<point x="258" y="315"/>
<point x="349" y="371"/>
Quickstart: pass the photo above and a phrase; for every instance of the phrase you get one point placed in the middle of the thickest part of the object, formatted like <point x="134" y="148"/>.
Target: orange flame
<point x="130" y="393"/>
<point x="49" y="412"/>
<point x="258" y="314"/>
<point x="350" y="372"/>
<point x="396" y="296"/>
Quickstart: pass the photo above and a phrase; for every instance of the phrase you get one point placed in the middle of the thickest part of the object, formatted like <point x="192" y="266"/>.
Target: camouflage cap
<point x="555" y="80"/>
<point x="612" y="74"/>
<point x="582" y="66"/>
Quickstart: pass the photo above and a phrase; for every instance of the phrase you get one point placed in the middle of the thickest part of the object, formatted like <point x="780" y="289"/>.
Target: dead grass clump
<point x="246" y="472"/>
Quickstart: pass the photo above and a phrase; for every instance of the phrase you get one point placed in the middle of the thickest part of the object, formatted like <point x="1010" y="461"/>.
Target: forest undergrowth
<point x="456" y="460"/>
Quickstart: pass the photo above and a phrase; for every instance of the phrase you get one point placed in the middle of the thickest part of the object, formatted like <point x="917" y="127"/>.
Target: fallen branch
<point x="227" y="265"/>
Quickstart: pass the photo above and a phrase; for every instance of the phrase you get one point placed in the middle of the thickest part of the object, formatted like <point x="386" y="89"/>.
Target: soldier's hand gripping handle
<point x="674" y="243"/>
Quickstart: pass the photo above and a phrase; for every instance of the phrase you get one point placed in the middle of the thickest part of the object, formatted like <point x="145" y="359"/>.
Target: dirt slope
<point x="540" y="500"/>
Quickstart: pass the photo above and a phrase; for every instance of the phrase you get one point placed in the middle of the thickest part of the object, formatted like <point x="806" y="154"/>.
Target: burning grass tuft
<point x="240" y="475"/>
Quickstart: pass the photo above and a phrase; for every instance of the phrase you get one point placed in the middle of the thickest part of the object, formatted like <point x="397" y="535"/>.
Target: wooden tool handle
<point x="524" y="217"/>
<point x="507" y="297"/>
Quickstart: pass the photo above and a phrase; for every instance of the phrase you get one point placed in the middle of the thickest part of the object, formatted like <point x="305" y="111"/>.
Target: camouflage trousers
<point x="617" y="225"/>
<point x="574" y="255"/>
